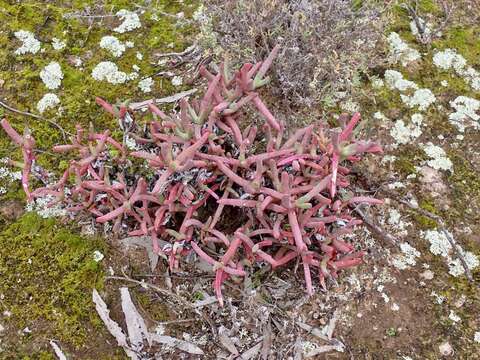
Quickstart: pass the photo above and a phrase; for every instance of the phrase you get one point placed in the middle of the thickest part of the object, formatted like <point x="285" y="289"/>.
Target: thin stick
<point x="19" y="111"/>
<point x="376" y="228"/>
<point x="187" y="51"/>
<point x="442" y="227"/>
<point x="25" y="113"/>
<point x="165" y="100"/>
<point x="168" y="294"/>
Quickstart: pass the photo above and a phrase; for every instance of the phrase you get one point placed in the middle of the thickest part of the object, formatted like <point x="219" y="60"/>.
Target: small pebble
<point x="427" y="275"/>
<point x="445" y="349"/>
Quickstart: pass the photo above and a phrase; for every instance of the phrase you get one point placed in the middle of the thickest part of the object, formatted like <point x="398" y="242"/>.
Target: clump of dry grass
<point x="324" y="43"/>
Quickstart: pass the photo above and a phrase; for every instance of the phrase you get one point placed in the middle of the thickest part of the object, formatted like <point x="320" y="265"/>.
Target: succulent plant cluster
<point x="291" y="193"/>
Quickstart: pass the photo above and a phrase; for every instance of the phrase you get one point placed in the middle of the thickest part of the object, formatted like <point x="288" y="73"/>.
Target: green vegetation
<point x="47" y="273"/>
<point x="159" y="33"/>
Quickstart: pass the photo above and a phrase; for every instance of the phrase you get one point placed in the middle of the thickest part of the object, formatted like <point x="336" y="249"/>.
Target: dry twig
<point x="376" y="228"/>
<point x="165" y="100"/>
<point x="25" y="113"/>
<point x="442" y="227"/>
<point x="170" y="295"/>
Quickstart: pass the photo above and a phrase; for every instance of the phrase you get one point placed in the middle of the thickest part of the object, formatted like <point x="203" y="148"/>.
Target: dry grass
<point x="325" y="43"/>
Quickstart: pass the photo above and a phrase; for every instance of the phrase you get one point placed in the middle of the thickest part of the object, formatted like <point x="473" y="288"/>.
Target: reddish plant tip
<point x="203" y="163"/>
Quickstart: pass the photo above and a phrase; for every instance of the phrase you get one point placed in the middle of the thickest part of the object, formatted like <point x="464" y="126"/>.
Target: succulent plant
<point x="292" y="191"/>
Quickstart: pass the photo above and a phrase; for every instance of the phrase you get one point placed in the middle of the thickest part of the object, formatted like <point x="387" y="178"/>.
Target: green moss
<point x="24" y="88"/>
<point x="152" y="306"/>
<point x="47" y="273"/>
<point x="464" y="39"/>
<point x="465" y="185"/>
<point x="424" y="222"/>
<point x="405" y="162"/>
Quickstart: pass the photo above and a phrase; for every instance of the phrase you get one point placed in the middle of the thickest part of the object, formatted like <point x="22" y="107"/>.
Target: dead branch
<point x="165" y="100"/>
<point x="191" y="49"/>
<point x="170" y="295"/>
<point x="376" y="228"/>
<point x="442" y="227"/>
<point x="25" y="113"/>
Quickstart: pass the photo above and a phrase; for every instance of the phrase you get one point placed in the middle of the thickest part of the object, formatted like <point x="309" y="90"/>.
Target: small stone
<point x="476" y="337"/>
<point x="445" y="349"/>
<point x="459" y="303"/>
<point x="177" y="81"/>
<point x="427" y="275"/>
<point x="98" y="256"/>
<point x="454" y="317"/>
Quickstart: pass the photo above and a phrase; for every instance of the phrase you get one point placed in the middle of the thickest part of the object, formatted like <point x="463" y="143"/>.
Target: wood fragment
<point x="376" y="228"/>
<point x="58" y="352"/>
<point x="226" y="342"/>
<point x="252" y="352"/>
<point x="443" y="229"/>
<point x="165" y="100"/>
<point x="171" y="295"/>
<point x="26" y="113"/>
<point x="179" y="344"/>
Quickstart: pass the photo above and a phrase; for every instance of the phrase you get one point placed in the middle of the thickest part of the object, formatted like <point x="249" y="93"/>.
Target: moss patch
<point x="162" y="31"/>
<point x="47" y="275"/>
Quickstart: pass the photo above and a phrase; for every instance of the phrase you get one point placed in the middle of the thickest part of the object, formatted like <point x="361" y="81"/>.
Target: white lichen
<point x="476" y="337"/>
<point x="131" y="144"/>
<point x="130" y="21"/>
<point x="29" y="43"/>
<point x="454" y="317"/>
<point x="139" y="56"/>
<point x="439" y="299"/>
<point x="7" y="175"/>
<point x="407" y="258"/>
<point x="380" y="116"/>
<point x="396" y="185"/>
<point x="52" y="75"/>
<point x="146" y="85"/>
<point x="422" y="98"/>
<point x="385" y="298"/>
<point x="450" y="59"/>
<point x="177" y="81"/>
<point x="395" y="80"/>
<point x="455" y="267"/>
<point x="438" y="157"/>
<point x="43" y="207"/>
<point x="403" y="134"/>
<point x="97" y="256"/>
<point x="108" y="71"/>
<point x="113" y="45"/>
<point x="439" y="245"/>
<point x="58" y="44"/>
<point x="48" y="101"/>
<point x="465" y="113"/>
<point x="350" y="106"/>
<point x="400" y="51"/>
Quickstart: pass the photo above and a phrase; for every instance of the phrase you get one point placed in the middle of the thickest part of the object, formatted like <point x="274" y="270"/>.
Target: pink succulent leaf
<point x="15" y="136"/>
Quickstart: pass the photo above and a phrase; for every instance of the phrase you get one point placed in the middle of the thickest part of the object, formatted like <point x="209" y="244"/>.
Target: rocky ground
<point x="411" y="68"/>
